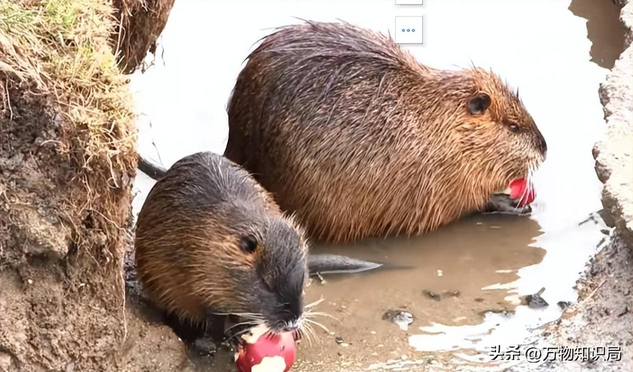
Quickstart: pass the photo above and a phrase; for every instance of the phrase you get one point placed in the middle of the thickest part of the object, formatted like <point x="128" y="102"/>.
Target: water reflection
<point x="467" y="256"/>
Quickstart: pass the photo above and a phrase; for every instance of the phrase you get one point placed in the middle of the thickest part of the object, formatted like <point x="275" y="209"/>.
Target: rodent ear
<point x="248" y="244"/>
<point x="479" y="104"/>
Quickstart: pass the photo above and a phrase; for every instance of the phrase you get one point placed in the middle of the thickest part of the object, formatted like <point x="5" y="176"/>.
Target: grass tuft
<point x="62" y="49"/>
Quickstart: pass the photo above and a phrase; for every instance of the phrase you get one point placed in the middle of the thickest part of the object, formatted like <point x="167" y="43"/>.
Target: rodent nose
<point x="289" y="326"/>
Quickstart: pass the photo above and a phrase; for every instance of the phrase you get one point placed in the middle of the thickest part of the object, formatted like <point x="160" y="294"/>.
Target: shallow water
<point x="492" y="260"/>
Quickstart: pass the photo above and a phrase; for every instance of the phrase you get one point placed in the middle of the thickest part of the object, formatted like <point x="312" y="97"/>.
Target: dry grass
<point x="61" y="49"/>
<point x="63" y="46"/>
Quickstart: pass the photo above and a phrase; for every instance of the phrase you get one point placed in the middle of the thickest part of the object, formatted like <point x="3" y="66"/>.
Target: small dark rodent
<point x="355" y="137"/>
<point x="211" y="242"/>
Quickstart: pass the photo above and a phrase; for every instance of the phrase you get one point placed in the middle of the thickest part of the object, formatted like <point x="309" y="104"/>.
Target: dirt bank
<point x="67" y="158"/>
<point x="140" y="25"/>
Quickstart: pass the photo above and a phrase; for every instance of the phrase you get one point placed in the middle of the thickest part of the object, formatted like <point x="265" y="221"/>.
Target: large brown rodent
<point x="351" y="133"/>
<point x="210" y="242"/>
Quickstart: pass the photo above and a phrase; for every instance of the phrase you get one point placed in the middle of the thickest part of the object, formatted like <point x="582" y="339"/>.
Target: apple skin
<point x="267" y="350"/>
<point x="518" y="191"/>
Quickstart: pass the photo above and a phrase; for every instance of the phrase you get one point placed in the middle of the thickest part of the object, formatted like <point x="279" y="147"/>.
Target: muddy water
<point x="603" y="29"/>
<point x="464" y="282"/>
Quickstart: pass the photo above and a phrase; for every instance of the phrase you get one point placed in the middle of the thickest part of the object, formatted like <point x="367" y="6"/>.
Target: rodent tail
<point x="152" y="170"/>
<point x="337" y="264"/>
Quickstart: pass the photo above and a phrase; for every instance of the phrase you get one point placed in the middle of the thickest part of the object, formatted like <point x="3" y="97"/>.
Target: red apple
<point x="518" y="191"/>
<point x="266" y="352"/>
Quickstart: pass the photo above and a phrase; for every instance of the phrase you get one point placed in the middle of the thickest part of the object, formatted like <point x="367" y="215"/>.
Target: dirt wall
<point x="67" y="161"/>
<point x="614" y="155"/>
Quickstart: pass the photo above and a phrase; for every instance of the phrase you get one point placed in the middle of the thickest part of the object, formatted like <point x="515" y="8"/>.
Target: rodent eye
<point x="513" y="128"/>
<point x="248" y="244"/>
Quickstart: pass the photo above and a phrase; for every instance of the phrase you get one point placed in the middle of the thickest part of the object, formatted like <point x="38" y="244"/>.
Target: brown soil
<point x="603" y="315"/>
<point x="140" y="24"/>
<point x="61" y="301"/>
<point x="67" y="159"/>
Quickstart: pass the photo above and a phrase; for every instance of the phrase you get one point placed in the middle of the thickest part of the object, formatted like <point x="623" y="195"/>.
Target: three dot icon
<point x="408" y="30"/>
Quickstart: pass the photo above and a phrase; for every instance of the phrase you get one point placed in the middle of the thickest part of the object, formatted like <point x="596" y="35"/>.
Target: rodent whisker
<point x="528" y="190"/>
<point x="237" y="334"/>
<point x="301" y="334"/>
<point x="312" y="336"/>
<point x="253" y="316"/>
<point x="309" y="332"/>
<point x="310" y="321"/>
<point x="315" y="303"/>
<point x="310" y="314"/>
<point x="248" y="322"/>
